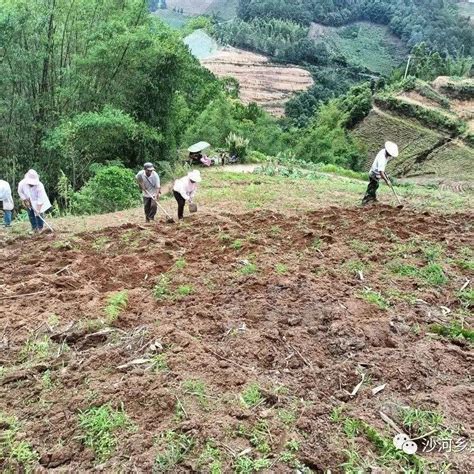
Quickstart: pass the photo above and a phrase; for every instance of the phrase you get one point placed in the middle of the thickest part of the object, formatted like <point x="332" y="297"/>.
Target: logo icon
<point x="403" y="442"/>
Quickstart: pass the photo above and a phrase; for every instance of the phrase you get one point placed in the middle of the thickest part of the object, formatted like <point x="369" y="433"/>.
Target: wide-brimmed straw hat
<point x="391" y="148"/>
<point x="32" y="178"/>
<point x="195" y="176"/>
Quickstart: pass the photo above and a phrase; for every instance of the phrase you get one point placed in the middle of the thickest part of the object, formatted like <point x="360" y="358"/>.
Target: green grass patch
<point x="466" y="297"/>
<point x="281" y="269"/>
<point x="249" y="268"/>
<point x="355" y="266"/>
<point x="175" y="447"/>
<point x="433" y="274"/>
<point x="210" y="459"/>
<point x="197" y="388"/>
<point x="453" y="331"/>
<point x="184" y="290"/>
<point x="159" y="363"/>
<point x="336" y="415"/>
<point x="37" y="349"/>
<point x="397" y="296"/>
<point x="288" y="417"/>
<point x="386" y="454"/>
<point x="237" y="244"/>
<point x="403" y="269"/>
<point x="252" y="396"/>
<point x="161" y="290"/>
<point x="99" y="426"/>
<point x="17" y="455"/>
<point x="374" y="297"/>
<point x="116" y="304"/>
<point x="180" y="264"/>
<point x="247" y="465"/>
<point x="359" y="246"/>
<point x="258" y="435"/>
<point x="420" y="422"/>
<point x="100" y="243"/>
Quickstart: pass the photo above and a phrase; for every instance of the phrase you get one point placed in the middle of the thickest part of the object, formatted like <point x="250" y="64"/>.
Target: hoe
<point x="400" y="205"/>
<point x="169" y="219"/>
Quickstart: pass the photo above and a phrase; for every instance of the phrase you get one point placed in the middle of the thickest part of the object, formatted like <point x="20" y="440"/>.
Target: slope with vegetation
<point x="364" y="45"/>
<point x="434" y="133"/>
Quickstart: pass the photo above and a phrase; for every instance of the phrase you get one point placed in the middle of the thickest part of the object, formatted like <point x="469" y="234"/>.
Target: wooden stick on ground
<point x="301" y="356"/>
<point x="231" y="361"/>
<point x="20" y="296"/>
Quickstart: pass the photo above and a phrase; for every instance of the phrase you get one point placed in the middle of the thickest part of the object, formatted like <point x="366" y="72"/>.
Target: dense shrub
<point x="326" y="140"/>
<point x="112" y="188"/>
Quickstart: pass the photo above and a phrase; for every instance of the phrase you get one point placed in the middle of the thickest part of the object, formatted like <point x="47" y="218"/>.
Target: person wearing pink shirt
<point x="184" y="189"/>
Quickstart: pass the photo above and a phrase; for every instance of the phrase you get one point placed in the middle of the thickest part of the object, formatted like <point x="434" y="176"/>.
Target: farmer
<point x="378" y="171"/>
<point x="7" y="200"/>
<point x="185" y="188"/>
<point x="149" y="183"/>
<point x="34" y="198"/>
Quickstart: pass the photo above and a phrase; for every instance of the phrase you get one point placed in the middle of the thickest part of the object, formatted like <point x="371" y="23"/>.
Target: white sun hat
<point x="32" y="178"/>
<point x="195" y="176"/>
<point x="391" y="148"/>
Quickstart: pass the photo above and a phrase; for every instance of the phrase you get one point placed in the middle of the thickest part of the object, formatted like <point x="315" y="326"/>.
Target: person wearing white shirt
<point x="184" y="189"/>
<point x="7" y="200"/>
<point x="34" y="198"/>
<point x="149" y="183"/>
<point x="377" y="171"/>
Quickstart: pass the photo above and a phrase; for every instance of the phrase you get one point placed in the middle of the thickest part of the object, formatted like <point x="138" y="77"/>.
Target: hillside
<point x="262" y="334"/>
<point x="362" y="44"/>
<point x="433" y="126"/>
<point x="261" y="81"/>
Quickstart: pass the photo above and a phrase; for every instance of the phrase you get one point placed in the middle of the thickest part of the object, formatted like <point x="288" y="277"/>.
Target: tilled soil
<point x="295" y="324"/>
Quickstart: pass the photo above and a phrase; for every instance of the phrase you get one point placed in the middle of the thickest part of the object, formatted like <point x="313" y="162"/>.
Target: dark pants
<point x="35" y="221"/>
<point x="371" y="193"/>
<point x="150" y="208"/>
<point x="181" y="202"/>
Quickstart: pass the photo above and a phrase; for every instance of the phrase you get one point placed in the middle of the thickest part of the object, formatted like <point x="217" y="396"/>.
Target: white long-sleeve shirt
<point x="185" y="187"/>
<point x="35" y="194"/>
<point x="6" y="195"/>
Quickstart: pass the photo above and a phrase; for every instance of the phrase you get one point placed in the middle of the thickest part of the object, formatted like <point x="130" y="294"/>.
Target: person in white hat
<point x="34" y="198"/>
<point x="184" y="189"/>
<point x="7" y="200"/>
<point x="377" y="171"/>
<point x="149" y="183"/>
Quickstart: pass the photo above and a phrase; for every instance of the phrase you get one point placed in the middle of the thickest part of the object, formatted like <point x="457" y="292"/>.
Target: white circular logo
<point x="400" y="439"/>
<point x="410" y="447"/>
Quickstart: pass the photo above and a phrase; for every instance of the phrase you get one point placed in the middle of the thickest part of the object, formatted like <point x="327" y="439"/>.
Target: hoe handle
<point x="396" y="195"/>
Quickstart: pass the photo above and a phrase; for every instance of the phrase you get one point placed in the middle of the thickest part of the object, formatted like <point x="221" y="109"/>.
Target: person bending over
<point x="184" y="189"/>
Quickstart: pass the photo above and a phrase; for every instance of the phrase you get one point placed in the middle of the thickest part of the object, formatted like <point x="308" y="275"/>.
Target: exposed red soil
<point x="306" y="330"/>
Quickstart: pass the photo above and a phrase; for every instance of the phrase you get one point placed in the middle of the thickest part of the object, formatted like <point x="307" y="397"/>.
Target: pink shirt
<point x="185" y="187"/>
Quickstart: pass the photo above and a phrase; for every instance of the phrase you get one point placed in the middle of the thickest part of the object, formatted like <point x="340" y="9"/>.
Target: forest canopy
<point x="89" y="81"/>
<point x="435" y="22"/>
